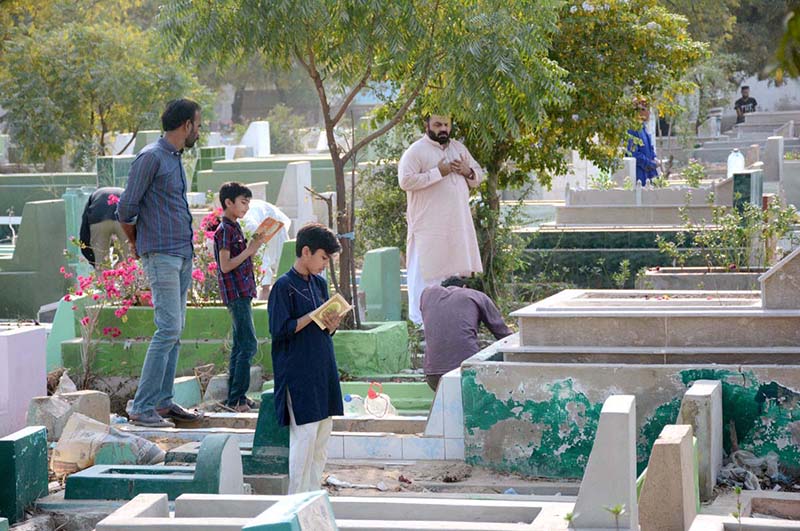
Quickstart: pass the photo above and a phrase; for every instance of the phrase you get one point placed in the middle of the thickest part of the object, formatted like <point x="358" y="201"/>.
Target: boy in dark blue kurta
<point x="307" y="392"/>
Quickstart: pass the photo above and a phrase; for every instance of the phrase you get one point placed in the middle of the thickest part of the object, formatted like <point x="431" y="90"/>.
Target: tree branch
<point x="388" y="125"/>
<point x="354" y="92"/>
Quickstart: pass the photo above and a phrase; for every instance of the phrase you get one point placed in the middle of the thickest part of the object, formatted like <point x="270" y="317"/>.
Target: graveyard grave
<point x="218" y="470"/>
<point x="531" y="401"/>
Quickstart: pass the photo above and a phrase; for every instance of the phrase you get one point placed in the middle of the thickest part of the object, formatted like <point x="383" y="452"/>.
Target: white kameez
<point x="441" y="239"/>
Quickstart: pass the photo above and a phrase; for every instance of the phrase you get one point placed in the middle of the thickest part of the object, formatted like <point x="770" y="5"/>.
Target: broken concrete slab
<point x="23" y="462"/>
<point x="667" y="501"/>
<point x="43" y="522"/>
<point x="53" y="412"/>
<point x="701" y="408"/>
<point x="610" y="477"/>
<point x="308" y="511"/>
<point x="217" y="388"/>
<point x="218" y="470"/>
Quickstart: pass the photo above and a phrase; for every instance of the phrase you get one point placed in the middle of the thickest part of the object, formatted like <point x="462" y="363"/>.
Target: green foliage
<point x="791" y="155"/>
<point x="381" y="218"/>
<point x="284" y="126"/>
<point x="602" y="181"/>
<point x="67" y="87"/>
<point x="622" y="276"/>
<point x="694" y="173"/>
<point x="660" y="182"/>
<point x="735" y="239"/>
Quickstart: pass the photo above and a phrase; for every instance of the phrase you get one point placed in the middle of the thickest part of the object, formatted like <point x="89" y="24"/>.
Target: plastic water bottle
<point x="377" y="403"/>
<point x="354" y="405"/>
<point x="735" y="162"/>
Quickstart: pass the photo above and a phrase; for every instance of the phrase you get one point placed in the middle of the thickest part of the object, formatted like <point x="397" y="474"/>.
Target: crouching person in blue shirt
<point x="307" y="392"/>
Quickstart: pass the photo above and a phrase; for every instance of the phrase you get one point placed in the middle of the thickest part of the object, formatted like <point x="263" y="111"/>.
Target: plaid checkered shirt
<point x="239" y="282"/>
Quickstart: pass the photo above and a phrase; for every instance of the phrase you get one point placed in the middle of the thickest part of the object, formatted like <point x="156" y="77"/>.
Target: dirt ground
<point x="431" y="476"/>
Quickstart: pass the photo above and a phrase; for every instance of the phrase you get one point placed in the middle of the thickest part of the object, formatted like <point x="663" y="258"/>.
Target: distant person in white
<point x="271" y="254"/>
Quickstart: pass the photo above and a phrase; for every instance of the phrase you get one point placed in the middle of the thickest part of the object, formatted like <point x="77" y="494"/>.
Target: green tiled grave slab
<point x="207" y="322"/>
<point x="110" y="482"/>
<point x="309" y="511"/>
<point x="383" y="348"/>
<point x="23" y="471"/>
<point x="269" y="452"/>
<point x="16" y="189"/>
<point x="115" y="358"/>
<point x="113" y="171"/>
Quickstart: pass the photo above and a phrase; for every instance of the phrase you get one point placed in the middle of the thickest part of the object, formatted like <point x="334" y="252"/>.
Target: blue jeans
<point x="244" y="348"/>
<point x="170" y="278"/>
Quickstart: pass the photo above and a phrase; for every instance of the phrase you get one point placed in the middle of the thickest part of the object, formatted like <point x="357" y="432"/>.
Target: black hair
<point x="231" y="191"/>
<point x="454" y="281"/>
<point x="474" y="282"/>
<point x="316" y="236"/>
<point x="177" y="113"/>
<point x="745" y="87"/>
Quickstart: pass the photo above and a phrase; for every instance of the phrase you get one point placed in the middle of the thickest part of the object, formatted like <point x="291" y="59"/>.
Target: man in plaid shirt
<point x="237" y="286"/>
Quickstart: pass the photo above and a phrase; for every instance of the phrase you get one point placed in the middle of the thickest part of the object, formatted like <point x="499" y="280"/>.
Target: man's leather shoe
<point x="180" y="414"/>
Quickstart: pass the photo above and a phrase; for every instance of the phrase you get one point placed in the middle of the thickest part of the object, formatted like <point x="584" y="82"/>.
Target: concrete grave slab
<point x="380" y="280"/>
<point x="23" y="462"/>
<point x="667" y="501"/>
<point x="186" y="391"/>
<point x="610" y="477"/>
<point x="3" y="524"/>
<point x="257" y="137"/>
<point x="268" y="453"/>
<point x="293" y="199"/>
<point x="779" y="285"/>
<point x="218" y="470"/>
<point x="701" y="408"/>
<point x="309" y="511"/>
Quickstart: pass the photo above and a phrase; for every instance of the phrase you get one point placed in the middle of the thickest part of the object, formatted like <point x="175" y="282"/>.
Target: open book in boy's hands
<point x="269" y="228"/>
<point x="336" y="304"/>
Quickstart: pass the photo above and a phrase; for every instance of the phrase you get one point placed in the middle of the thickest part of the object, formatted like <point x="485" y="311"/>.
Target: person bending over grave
<point x="437" y="174"/>
<point x="98" y="224"/>
<point x="307" y="392"/>
<point x="237" y="286"/>
<point x="155" y="216"/>
<point x="271" y="255"/>
<point x="640" y="146"/>
<point x="452" y="314"/>
<point x="744" y="105"/>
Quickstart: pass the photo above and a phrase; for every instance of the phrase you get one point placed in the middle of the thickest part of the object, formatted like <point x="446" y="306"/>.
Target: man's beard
<point x="442" y="138"/>
<point x="190" y="142"/>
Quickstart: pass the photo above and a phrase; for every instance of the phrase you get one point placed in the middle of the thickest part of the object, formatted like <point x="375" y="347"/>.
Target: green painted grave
<point x="23" y="471"/>
<point x="75" y="200"/>
<point x="216" y="472"/>
<point x="113" y="170"/>
<point x="267" y="455"/>
<point x="288" y="256"/>
<point x="16" y="189"/>
<point x="30" y="278"/>
<point x="380" y="281"/>
<point x="748" y="187"/>
<point x="308" y="511"/>
<point x="144" y="138"/>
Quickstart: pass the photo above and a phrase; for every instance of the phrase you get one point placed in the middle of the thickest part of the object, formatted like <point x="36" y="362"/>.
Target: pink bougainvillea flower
<point x="74" y="307"/>
<point x="96" y="297"/>
<point x="85" y="321"/>
<point x="198" y="275"/>
<point x="79" y="293"/>
<point x="212" y="267"/>
<point x="210" y="234"/>
<point x="67" y="297"/>
<point x="113" y="199"/>
<point x="119" y="312"/>
<point x="62" y="270"/>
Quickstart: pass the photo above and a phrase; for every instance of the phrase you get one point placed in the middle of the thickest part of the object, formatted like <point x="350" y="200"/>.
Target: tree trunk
<point x="342" y="226"/>
<point x="236" y="106"/>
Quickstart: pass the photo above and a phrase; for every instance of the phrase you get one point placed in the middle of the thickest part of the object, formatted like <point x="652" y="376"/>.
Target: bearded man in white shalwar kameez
<point x="437" y="173"/>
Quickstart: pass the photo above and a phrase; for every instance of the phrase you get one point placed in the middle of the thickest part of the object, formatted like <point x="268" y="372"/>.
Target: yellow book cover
<point x="336" y="304"/>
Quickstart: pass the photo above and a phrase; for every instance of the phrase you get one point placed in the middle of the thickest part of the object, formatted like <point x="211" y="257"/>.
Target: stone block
<point x="701" y="408"/>
<point x="454" y="449"/>
<point x="269" y="484"/>
<point x="610" y="477"/>
<point x="257" y="138"/>
<point x="309" y="511"/>
<point x="336" y="447"/>
<point x="778" y="284"/>
<point x="773" y="159"/>
<point x="667" y="501"/>
<point x="380" y="280"/>
<point x="3" y="524"/>
<point x="53" y="412"/>
<point x="293" y="198"/>
<point x="22" y="373"/>
<point x="256" y="379"/>
<point x="42" y="522"/>
<point x="435" y="424"/>
<point x="186" y="391"/>
<point x="452" y="407"/>
<point x="423" y="448"/>
<point x="23" y="462"/>
<point x="217" y="388"/>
